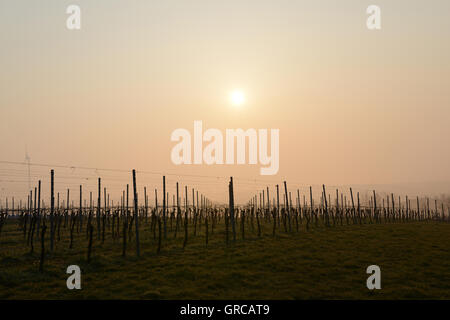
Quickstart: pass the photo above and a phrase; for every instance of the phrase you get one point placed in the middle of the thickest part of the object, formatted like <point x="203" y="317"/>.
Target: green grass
<point x="323" y="263"/>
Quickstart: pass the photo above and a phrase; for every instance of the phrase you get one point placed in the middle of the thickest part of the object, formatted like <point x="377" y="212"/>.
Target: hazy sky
<point x="353" y="106"/>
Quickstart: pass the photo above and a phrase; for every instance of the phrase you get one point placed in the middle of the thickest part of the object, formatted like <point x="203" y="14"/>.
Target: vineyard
<point x="271" y="247"/>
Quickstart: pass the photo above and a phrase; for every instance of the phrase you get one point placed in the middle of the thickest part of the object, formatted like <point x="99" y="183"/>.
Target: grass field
<point x="323" y="263"/>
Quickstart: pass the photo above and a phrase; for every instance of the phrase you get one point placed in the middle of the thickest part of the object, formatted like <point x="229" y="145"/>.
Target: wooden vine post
<point x="136" y="214"/>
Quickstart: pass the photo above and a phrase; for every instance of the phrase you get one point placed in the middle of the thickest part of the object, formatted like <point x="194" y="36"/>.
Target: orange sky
<point x="353" y="106"/>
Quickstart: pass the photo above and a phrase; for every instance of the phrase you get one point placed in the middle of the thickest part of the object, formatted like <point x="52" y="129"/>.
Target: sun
<point x="237" y="98"/>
